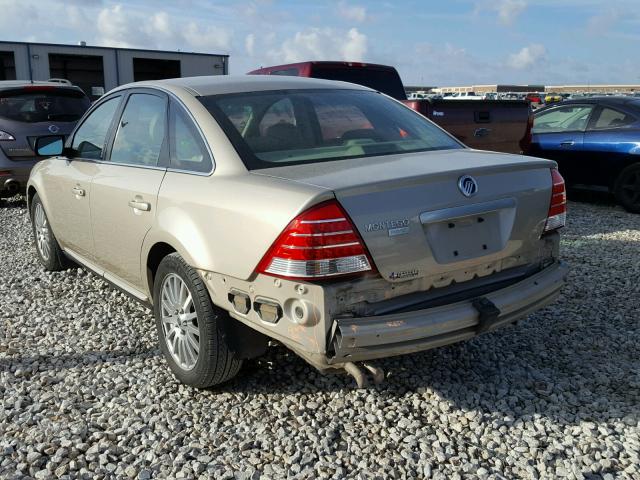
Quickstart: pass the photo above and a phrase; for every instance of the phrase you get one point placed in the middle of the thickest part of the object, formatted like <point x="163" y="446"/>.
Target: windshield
<point x="307" y="126"/>
<point x="43" y="106"/>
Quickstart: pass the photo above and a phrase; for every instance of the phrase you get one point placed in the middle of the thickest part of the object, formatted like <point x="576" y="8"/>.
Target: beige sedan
<point x="321" y="214"/>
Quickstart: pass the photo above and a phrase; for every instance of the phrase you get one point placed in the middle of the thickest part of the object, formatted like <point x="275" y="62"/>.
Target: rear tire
<point x="626" y="188"/>
<point x="189" y="326"/>
<point x="49" y="252"/>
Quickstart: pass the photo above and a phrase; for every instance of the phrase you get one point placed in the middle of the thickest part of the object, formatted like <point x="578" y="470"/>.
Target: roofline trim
<point x="7" y="42"/>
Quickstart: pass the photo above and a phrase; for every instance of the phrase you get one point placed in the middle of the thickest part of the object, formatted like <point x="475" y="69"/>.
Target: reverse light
<point x="557" y="216"/>
<point x="6" y="136"/>
<point x="320" y="242"/>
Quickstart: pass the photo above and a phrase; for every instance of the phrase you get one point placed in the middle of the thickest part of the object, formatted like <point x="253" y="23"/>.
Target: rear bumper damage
<point x="306" y="317"/>
<point x="359" y="339"/>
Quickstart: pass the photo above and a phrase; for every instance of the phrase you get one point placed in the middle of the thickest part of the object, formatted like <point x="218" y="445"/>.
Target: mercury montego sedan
<point x="321" y="214"/>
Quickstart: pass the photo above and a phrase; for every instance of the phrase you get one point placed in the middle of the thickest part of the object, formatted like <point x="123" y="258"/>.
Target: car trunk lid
<point x="416" y="221"/>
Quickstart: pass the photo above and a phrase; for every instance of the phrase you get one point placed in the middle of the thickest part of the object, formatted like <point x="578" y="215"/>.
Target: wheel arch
<point x="156" y="253"/>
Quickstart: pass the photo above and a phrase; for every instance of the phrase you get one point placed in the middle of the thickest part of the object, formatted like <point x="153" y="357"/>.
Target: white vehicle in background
<point x="465" y="96"/>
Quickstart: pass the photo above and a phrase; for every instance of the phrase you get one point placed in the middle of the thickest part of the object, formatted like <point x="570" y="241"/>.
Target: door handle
<point x="567" y="143"/>
<point x="138" y="205"/>
<point x="78" y="191"/>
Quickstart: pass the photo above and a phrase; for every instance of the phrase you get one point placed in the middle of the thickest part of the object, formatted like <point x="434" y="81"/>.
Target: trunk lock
<point x="488" y="311"/>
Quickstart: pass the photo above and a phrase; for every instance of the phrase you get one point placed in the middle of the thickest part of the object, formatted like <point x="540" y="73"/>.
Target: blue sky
<point x="451" y="42"/>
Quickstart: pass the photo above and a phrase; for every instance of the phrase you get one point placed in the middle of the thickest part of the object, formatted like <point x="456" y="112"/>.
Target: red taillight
<point x="557" y="215"/>
<point x="320" y="242"/>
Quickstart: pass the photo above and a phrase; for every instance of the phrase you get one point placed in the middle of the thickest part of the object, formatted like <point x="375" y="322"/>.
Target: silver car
<point x="323" y="215"/>
<point x="29" y="110"/>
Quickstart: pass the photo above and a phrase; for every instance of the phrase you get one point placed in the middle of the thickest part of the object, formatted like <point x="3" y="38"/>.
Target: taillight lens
<point x="557" y="216"/>
<point x="320" y="242"/>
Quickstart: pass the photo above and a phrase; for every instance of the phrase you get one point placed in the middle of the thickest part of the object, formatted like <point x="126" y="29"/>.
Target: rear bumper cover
<point x="19" y="171"/>
<point x="367" y="338"/>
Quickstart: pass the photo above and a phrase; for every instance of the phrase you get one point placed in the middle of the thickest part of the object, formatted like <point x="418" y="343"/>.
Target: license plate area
<point x="463" y="233"/>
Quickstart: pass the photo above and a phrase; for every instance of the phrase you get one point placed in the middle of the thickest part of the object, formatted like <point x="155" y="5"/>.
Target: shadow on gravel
<point x="42" y="363"/>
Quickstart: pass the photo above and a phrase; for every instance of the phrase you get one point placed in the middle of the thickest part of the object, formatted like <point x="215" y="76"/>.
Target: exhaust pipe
<point x="360" y="375"/>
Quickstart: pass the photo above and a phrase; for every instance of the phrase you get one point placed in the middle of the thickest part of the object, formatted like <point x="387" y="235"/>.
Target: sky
<point x="434" y="43"/>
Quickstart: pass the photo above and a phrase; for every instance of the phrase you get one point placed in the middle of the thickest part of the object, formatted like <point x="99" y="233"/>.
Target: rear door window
<point x="141" y="131"/>
<point x="188" y="151"/>
<point x="90" y="138"/>
<point x="43" y="105"/>
<point x="611" y="118"/>
<point x="570" y="118"/>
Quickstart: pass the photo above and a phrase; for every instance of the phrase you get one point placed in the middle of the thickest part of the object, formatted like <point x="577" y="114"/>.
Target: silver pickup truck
<point x="320" y="214"/>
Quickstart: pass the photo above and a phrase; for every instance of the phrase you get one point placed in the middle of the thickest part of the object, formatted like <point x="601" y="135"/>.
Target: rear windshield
<point x="381" y="79"/>
<point x="275" y="128"/>
<point x="42" y="106"/>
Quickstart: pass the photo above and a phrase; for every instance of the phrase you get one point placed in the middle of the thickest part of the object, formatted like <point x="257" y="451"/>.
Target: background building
<point x="491" y="88"/>
<point x="99" y="69"/>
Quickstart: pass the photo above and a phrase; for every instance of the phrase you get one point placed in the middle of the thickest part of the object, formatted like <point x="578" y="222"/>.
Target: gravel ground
<point x="86" y="394"/>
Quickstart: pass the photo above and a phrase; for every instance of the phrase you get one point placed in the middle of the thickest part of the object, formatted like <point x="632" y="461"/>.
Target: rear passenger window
<point x="188" y="151"/>
<point x="91" y="136"/>
<point x="141" y="131"/>
<point x="610" y="118"/>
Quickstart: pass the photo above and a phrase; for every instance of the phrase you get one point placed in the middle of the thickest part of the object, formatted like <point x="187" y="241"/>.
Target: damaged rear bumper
<point x="367" y="338"/>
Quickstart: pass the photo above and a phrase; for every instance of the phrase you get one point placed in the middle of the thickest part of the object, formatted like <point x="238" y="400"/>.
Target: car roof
<point x="619" y="100"/>
<point x="223" y="84"/>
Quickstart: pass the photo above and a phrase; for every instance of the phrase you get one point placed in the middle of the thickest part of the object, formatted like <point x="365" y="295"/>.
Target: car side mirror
<point x="49" y="146"/>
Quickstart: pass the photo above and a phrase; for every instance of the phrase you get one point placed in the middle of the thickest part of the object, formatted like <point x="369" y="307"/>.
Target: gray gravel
<point x="86" y="394"/>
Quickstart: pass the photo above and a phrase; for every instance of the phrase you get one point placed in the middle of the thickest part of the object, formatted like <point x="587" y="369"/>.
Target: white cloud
<point x="322" y="44"/>
<point x="249" y="44"/>
<point x="207" y="38"/>
<point x="527" y="56"/>
<point x="120" y="27"/>
<point x="509" y="10"/>
<point x="602" y="22"/>
<point x="354" y="13"/>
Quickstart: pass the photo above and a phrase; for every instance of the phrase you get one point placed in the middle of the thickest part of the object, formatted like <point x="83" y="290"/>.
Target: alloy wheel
<point x="43" y="233"/>
<point x="179" y="322"/>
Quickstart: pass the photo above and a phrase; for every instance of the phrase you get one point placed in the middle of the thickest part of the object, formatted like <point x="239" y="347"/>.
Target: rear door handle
<point x="144" y="206"/>
<point x="78" y="191"/>
<point x="567" y="143"/>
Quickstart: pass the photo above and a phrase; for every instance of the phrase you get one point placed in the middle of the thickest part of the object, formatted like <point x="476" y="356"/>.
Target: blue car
<point x="596" y="142"/>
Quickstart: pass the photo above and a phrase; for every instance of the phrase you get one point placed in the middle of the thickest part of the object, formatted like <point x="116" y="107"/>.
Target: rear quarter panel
<point x="225" y="224"/>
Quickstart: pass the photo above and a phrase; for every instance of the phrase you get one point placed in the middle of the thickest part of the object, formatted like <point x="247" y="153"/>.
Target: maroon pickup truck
<point x="498" y="125"/>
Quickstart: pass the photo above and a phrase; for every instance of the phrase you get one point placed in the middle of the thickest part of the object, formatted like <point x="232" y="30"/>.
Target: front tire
<point x="189" y="326"/>
<point x="627" y="188"/>
<point x="49" y="251"/>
